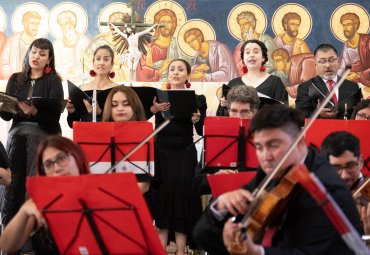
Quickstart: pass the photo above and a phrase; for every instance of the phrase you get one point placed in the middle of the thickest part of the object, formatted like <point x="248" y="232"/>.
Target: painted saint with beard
<point x="69" y="48"/>
<point x="247" y="22"/>
<point x="288" y="40"/>
<point x="356" y="50"/>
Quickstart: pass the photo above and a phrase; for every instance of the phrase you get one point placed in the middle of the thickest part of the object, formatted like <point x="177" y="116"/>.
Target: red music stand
<point x="96" y="214"/>
<point x="226" y="144"/>
<point x="321" y="128"/>
<point x="222" y="183"/>
<point x="104" y="143"/>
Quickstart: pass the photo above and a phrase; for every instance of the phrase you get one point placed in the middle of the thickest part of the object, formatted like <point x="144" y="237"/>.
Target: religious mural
<point x="207" y="33"/>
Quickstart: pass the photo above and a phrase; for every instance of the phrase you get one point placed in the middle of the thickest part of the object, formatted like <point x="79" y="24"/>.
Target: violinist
<point x="342" y="149"/>
<point x="304" y="228"/>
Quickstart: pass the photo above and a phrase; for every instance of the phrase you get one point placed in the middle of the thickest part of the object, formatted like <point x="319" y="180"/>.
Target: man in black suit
<point x="304" y="228"/>
<point x="312" y="92"/>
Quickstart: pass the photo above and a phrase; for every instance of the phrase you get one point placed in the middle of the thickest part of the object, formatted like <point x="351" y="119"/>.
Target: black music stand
<point x="96" y="214"/>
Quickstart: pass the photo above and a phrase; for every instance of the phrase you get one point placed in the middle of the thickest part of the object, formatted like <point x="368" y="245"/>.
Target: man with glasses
<point x="315" y="90"/>
<point x="342" y="150"/>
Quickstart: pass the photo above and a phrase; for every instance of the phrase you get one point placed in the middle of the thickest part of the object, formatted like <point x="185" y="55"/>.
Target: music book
<point x="96" y="214"/>
<point x="183" y="103"/>
<point x="76" y="95"/>
<point x="4" y="160"/>
<point x="266" y="100"/>
<point x="9" y="103"/>
<point x="222" y="183"/>
<point x="351" y="102"/>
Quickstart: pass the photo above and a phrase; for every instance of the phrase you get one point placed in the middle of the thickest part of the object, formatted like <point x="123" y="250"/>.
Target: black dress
<point x="272" y="87"/>
<point x="24" y="136"/>
<point x="175" y="203"/>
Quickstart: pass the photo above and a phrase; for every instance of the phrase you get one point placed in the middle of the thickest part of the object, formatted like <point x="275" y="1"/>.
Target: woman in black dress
<point x="175" y="204"/>
<point x="254" y="56"/>
<point x="31" y="123"/>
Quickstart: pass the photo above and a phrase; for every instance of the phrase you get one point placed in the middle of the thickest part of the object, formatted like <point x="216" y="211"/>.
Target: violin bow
<point x="341" y="223"/>
<point x="133" y="150"/>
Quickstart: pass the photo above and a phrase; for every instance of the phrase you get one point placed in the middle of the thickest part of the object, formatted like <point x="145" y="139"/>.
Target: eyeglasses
<point x="324" y="61"/>
<point x="362" y="116"/>
<point x="243" y="113"/>
<point x="350" y="167"/>
<point x="62" y="159"/>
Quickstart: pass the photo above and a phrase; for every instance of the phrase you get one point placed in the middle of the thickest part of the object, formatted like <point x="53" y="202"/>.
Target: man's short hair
<point x="350" y="16"/>
<point x="30" y="15"/>
<point x="289" y="16"/>
<point x="281" y="52"/>
<point x="325" y="47"/>
<point x="336" y="143"/>
<point x="194" y="31"/>
<point x="278" y="116"/>
<point x="248" y="16"/>
<point x="243" y="94"/>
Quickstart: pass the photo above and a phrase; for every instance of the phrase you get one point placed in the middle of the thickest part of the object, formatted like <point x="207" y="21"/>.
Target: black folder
<point x="351" y="102"/>
<point x="183" y="103"/>
<point x="9" y="103"/>
<point x="4" y="160"/>
<point x="76" y="95"/>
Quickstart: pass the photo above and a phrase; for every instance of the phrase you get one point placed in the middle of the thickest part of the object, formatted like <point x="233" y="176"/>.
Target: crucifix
<point x="131" y="44"/>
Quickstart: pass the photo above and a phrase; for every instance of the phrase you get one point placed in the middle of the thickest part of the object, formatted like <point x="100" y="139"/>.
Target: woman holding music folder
<point x="254" y="56"/>
<point x="103" y="75"/>
<point x="123" y="104"/>
<point x="174" y="203"/>
<point x="34" y="119"/>
<point x="56" y="156"/>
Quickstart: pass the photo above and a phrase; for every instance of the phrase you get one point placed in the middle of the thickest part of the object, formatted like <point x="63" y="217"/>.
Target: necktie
<point x="330" y="84"/>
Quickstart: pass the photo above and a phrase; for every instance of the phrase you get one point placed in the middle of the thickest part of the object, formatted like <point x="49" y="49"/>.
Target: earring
<point x="92" y="73"/>
<point x="187" y="84"/>
<point x="168" y="85"/>
<point x="112" y="74"/>
<point x="263" y="68"/>
<point x="245" y="69"/>
<point x="47" y="69"/>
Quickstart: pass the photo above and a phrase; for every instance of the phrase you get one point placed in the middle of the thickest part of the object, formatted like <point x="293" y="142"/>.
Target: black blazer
<point x="308" y="96"/>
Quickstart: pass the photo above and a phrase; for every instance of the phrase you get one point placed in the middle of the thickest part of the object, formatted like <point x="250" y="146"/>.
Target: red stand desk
<point x="321" y="128"/>
<point x="105" y="143"/>
<point x="96" y="214"/>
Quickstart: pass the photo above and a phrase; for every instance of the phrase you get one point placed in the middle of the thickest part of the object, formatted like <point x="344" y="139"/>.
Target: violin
<point x="362" y="193"/>
<point x="268" y="205"/>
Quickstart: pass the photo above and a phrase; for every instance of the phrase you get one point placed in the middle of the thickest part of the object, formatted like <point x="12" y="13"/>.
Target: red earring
<point x="263" y="68"/>
<point x="245" y="69"/>
<point x="168" y="85"/>
<point x="187" y="84"/>
<point x="47" y="69"/>
<point x="112" y="74"/>
<point x="92" y="73"/>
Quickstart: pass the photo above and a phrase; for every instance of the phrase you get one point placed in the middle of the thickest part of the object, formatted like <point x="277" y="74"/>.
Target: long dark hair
<point x="133" y="100"/>
<point x="66" y="145"/>
<point x="41" y="43"/>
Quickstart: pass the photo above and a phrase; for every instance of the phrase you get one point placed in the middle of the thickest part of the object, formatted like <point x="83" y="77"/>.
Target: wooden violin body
<point x="265" y="211"/>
